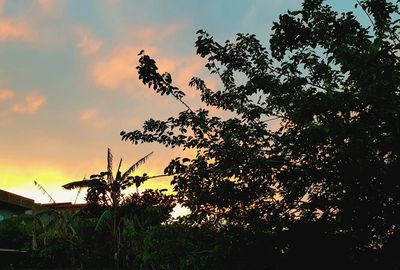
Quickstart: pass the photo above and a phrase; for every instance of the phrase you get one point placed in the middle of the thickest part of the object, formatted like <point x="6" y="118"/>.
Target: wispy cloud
<point x="46" y="6"/>
<point x="14" y="29"/>
<point x="49" y="9"/>
<point x="1" y="6"/>
<point x="93" y="118"/>
<point x="3" y="114"/>
<point x="6" y="94"/>
<point x="32" y="102"/>
<point x="117" y="70"/>
<point x="182" y="69"/>
<point x="88" y="115"/>
<point x="250" y="15"/>
<point x="151" y="34"/>
<point x="86" y="42"/>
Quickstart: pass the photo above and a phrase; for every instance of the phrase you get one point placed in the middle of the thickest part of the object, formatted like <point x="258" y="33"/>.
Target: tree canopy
<point x="315" y="136"/>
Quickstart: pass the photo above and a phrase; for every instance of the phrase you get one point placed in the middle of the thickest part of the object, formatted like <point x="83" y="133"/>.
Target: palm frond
<point x="105" y="218"/>
<point x="118" y="175"/>
<point x="137" y="164"/>
<point x="71" y="228"/>
<point x="77" y="194"/>
<point x="109" y="165"/>
<point x="79" y="184"/>
<point x="102" y="174"/>
<point x="44" y="191"/>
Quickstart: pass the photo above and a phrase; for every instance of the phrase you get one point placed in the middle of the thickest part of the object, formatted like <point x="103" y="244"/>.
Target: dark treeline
<point x="305" y="175"/>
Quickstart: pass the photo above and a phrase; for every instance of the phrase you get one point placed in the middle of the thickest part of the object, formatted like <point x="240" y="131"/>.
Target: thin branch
<point x="365" y="11"/>
<point x="185" y="104"/>
<point x="273" y="119"/>
<point x="158" y="176"/>
<point x="308" y="82"/>
<point x="373" y="24"/>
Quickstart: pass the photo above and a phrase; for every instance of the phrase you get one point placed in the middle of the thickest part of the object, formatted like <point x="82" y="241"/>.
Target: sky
<point x="68" y="83"/>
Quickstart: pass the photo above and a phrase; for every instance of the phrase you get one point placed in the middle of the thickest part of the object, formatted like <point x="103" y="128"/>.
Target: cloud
<point x="49" y="8"/>
<point x="182" y="69"/>
<point x="13" y="29"/>
<point x="6" y="94"/>
<point x="3" y="115"/>
<point x="251" y="15"/>
<point x="46" y="6"/>
<point x="87" y="43"/>
<point x="190" y="67"/>
<point x="31" y="104"/>
<point x="92" y="117"/>
<point x="88" y="115"/>
<point x="1" y="6"/>
<point x="150" y="34"/>
<point x="117" y="70"/>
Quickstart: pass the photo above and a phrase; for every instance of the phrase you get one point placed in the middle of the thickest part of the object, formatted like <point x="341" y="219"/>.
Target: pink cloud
<point x="50" y="8"/>
<point x="46" y="5"/>
<point x="6" y="94"/>
<point x="156" y="34"/>
<point x="100" y="124"/>
<point x="91" y="117"/>
<point x="3" y="115"/>
<point x="31" y="104"/>
<point x="12" y="29"/>
<point x="1" y="6"/>
<point x="191" y="66"/>
<point x="88" y="115"/>
<point x="87" y="43"/>
<point x="117" y="70"/>
<point x="182" y="69"/>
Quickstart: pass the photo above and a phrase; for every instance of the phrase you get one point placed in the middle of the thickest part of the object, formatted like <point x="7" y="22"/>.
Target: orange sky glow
<point x="69" y="86"/>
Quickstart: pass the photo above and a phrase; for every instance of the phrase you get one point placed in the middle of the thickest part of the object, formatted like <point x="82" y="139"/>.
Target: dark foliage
<point x="312" y="154"/>
<point x="304" y="175"/>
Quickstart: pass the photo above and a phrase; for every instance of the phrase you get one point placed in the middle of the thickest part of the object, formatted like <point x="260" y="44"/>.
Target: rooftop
<point x="20" y="202"/>
<point x="16" y="200"/>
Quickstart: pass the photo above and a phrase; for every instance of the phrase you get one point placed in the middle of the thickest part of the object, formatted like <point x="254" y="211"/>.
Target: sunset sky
<point x="68" y="83"/>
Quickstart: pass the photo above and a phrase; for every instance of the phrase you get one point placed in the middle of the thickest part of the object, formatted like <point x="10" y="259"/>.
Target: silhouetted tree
<point x="106" y="190"/>
<point x="105" y="193"/>
<point x="314" y="142"/>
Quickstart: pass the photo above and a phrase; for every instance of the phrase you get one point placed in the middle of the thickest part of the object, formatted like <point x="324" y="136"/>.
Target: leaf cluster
<point x="314" y="132"/>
